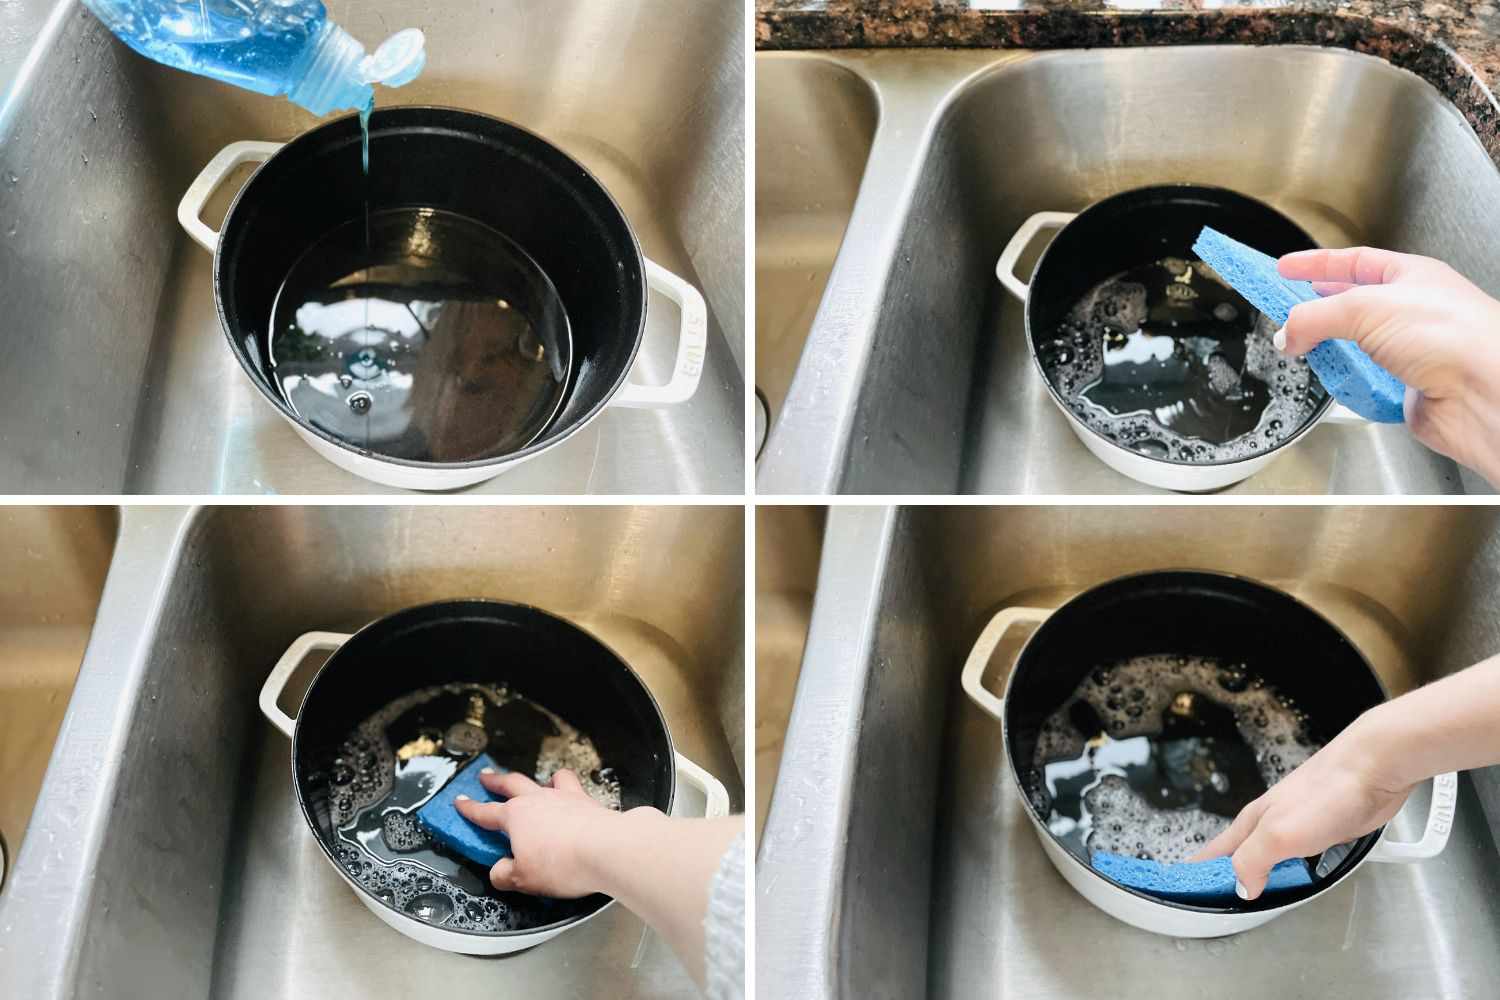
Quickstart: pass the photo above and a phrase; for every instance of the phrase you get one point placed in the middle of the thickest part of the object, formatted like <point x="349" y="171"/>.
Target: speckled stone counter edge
<point x="1451" y="71"/>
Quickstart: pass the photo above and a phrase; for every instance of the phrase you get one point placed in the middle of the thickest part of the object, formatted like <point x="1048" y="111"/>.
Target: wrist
<point x="1384" y="748"/>
<point x="624" y="835"/>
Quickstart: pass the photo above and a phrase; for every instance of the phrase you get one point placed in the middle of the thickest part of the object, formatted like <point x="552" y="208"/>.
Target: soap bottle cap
<point x="398" y="60"/>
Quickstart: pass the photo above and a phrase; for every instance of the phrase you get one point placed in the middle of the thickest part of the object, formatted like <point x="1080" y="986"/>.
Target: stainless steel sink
<point x="121" y="380"/>
<point x="787" y="543"/>
<point x="167" y="856"/>
<point x="814" y="122"/>
<point x="55" y="559"/>
<point x="915" y="377"/>
<point x="897" y="861"/>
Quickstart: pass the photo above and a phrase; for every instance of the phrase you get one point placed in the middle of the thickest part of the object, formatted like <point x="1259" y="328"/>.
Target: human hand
<point x="1341" y="792"/>
<point x="555" y="833"/>
<point x="1424" y="323"/>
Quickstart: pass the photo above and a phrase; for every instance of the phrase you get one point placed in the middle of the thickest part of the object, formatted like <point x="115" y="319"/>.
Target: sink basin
<point x="915" y="376"/>
<point x="125" y="382"/>
<point x="897" y="860"/>
<point x="787" y="543"/>
<point x="168" y="856"/>
<point x="56" y="558"/>
<point x="814" y="122"/>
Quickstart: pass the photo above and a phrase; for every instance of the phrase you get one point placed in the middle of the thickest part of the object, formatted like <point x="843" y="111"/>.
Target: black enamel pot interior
<point x="476" y="166"/>
<point x="1136" y="227"/>
<point x="535" y="654"/>
<point x="1296" y="650"/>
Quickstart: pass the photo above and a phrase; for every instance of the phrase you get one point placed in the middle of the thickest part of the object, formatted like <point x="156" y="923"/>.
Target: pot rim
<point x="1260" y="905"/>
<point x="538" y="445"/>
<point x="1036" y="361"/>
<point x="460" y="932"/>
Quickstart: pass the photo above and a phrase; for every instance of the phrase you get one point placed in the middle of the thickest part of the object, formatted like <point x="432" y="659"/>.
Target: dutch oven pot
<point x="551" y="661"/>
<point x="1121" y="232"/>
<point x="474" y="165"/>
<point x="1296" y="650"/>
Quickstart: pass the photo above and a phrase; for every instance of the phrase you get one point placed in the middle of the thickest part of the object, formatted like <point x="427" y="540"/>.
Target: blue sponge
<point x="1199" y="882"/>
<point x="1348" y="373"/>
<point x="450" y="829"/>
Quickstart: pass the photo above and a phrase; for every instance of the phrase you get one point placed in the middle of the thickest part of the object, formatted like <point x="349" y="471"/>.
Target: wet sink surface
<point x="183" y="867"/>
<point x="935" y="882"/>
<point x="916" y="378"/>
<point x="55" y="561"/>
<point x="787" y="543"/>
<point x="112" y="278"/>
<point x="814" y="122"/>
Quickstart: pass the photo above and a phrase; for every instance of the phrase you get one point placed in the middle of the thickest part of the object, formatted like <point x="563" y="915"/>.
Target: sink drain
<point x="762" y="420"/>
<point x="3" y="857"/>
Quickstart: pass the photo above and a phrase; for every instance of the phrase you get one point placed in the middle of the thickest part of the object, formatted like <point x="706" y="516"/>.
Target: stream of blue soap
<point x="364" y="133"/>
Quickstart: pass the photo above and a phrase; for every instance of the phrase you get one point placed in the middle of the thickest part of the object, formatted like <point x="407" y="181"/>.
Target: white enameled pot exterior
<point x="716" y="799"/>
<point x="687" y="368"/>
<point x="1141" y="911"/>
<point x="1141" y="468"/>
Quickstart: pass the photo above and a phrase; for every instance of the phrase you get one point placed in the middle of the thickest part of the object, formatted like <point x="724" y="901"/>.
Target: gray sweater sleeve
<point x="724" y="927"/>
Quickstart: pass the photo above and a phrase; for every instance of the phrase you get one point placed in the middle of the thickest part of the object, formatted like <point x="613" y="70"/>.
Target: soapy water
<point x="1126" y="825"/>
<point x="421" y="334"/>
<point x="402" y="755"/>
<point x="1177" y="746"/>
<point x="1167" y="360"/>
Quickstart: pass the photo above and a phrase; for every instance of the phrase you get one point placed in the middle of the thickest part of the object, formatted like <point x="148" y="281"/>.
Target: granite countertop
<point x="1453" y="44"/>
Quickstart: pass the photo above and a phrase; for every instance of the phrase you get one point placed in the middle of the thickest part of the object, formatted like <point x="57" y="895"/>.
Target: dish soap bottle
<point x="268" y="46"/>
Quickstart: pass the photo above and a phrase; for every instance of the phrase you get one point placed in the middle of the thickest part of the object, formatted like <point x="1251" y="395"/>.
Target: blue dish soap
<point x="269" y="46"/>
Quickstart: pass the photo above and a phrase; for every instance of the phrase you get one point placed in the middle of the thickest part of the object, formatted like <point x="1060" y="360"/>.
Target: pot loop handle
<point x="1439" y="825"/>
<point x="692" y="344"/>
<point x="270" y="691"/>
<point x="190" y="208"/>
<point x="984" y="648"/>
<point x="1005" y="269"/>
<point x="715" y="795"/>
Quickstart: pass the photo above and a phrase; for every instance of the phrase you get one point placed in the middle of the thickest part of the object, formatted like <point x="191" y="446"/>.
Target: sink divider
<point x="853" y="818"/>
<point x="810" y="444"/>
<point x="86" y="777"/>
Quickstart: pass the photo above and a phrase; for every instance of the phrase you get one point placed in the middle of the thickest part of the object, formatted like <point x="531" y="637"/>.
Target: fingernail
<point x="487" y="770"/>
<point x="460" y="798"/>
<point x="1240" y="890"/>
<point x="1278" y="339"/>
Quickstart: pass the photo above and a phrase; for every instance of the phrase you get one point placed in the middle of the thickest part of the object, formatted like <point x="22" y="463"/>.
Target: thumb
<point x="503" y="874"/>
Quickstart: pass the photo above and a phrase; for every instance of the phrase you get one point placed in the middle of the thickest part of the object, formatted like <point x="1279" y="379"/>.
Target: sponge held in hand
<point x="1349" y="374"/>
<point x="439" y="817"/>
<point x="1201" y="882"/>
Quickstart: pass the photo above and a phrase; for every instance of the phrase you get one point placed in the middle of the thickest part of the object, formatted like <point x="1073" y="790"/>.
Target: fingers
<point x="567" y="781"/>
<point x="489" y="815"/>
<point x="1344" y="316"/>
<point x="503" y="874"/>
<point x="1327" y="288"/>
<point x="510" y="784"/>
<point x="1354" y="265"/>
<point x="1235" y="834"/>
<point x="1265" y="848"/>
